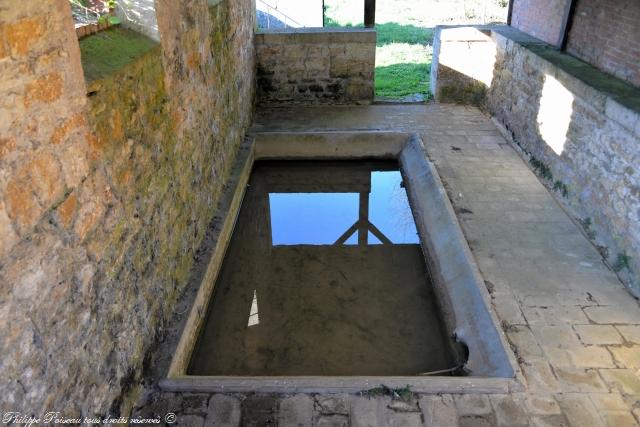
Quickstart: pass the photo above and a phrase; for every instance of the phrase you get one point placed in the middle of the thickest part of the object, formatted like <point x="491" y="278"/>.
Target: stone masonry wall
<point x="104" y="203"/>
<point x="315" y="66"/>
<point x="606" y="33"/>
<point x="540" y="18"/>
<point x="578" y="128"/>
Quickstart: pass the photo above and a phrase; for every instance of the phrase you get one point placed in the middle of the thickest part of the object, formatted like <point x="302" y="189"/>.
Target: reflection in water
<point x="380" y="213"/>
<point x="254" y="319"/>
<point x="327" y="253"/>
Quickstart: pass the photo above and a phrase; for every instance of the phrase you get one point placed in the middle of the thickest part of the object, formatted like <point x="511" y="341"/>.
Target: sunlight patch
<point x="554" y="114"/>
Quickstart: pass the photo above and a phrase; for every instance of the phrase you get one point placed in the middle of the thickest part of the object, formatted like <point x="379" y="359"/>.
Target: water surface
<point x="324" y="275"/>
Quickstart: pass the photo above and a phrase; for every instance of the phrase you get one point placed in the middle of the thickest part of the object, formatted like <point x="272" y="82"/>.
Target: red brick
<point x="606" y="34"/>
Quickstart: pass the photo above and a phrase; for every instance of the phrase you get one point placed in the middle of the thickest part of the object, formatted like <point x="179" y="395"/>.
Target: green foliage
<point x="396" y="33"/>
<point x="561" y="187"/>
<point x="403" y="63"/>
<point x="402" y="79"/>
<point x="396" y="393"/>
<point x="586" y="225"/>
<point x="622" y="262"/>
<point x="108" y="51"/>
<point x="542" y="169"/>
<point x="113" y="20"/>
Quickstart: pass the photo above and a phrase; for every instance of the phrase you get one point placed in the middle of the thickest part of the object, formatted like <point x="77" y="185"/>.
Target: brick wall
<point x="104" y="200"/>
<point x="606" y="33"/>
<point x="316" y="66"/>
<point x="540" y="18"/>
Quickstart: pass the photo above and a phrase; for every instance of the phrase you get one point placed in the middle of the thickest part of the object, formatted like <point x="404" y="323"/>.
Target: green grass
<point x="396" y="33"/>
<point x="399" y="80"/>
<point x="108" y="51"/>
<point x="403" y="58"/>
<point x="405" y="35"/>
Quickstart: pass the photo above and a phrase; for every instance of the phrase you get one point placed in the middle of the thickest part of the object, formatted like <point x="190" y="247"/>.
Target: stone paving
<point x="573" y="327"/>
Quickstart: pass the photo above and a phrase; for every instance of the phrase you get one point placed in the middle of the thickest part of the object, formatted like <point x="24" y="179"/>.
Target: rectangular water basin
<point x="340" y="267"/>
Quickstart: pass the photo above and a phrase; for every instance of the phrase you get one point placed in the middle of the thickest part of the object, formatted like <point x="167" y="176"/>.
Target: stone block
<point x="357" y="91"/>
<point x="591" y="357"/>
<point x="611" y="315"/>
<point x="331" y="421"/>
<point x="539" y="376"/>
<point x="339" y="67"/>
<point x="223" y="411"/>
<point x="626" y="117"/>
<point x="556" y="336"/>
<point x="366" y="411"/>
<point x="189" y="421"/>
<point x="626" y="381"/>
<point x="9" y="236"/>
<point x="23" y="34"/>
<point x="627" y="356"/>
<point x="631" y="333"/>
<point x="403" y="419"/>
<point x="67" y="209"/>
<point x="472" y="404"/>
<point x="579" y="410"/>
<point x="195" y="403"/>
<point x="542" y="404"/>
<point x="329" y="405"/>
<point x="554" y="315"/>
<point x="524" y="341"/>
<point x="598" y="334"/>
<point x="439" y="411"/>
<point x="259" y="410"/>
<point x="579" y="380"/>
<point x="45" y="89"/>
<point x="296" y="411"/>
<point x="508" y="310"/>
<point x="509" y="411"/>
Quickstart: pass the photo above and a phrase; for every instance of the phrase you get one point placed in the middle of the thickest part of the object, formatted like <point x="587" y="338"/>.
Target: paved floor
<point x="574" y="329"/>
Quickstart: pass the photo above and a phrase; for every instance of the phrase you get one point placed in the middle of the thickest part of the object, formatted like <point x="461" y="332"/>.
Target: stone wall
<point x="316" y="66"/>
<point x="540" y="18"/>
<point x="104" y="203"/>
<point x="452" y="79"/>
<point x="606" y="33"/>
<point x="578" y="127"/>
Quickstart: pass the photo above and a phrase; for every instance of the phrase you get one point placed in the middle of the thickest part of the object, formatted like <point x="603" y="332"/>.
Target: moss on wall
<point x="108" y="51"/>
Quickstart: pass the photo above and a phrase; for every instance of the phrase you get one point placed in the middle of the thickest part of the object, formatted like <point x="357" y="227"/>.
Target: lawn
<point x="405" y="35"/>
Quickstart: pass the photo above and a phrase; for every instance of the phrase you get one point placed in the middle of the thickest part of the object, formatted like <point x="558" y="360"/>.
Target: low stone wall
<point x="139" y="15"/>
<point x="316" y="65"/>
<point x="106" y="193"/>
<point x="579" y="128"/>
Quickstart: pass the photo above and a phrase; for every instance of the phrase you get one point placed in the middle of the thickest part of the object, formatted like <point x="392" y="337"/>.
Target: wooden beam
<point x="510" y="12"/>
<point x="369" y="13"/>
<point x="567" y="22"/>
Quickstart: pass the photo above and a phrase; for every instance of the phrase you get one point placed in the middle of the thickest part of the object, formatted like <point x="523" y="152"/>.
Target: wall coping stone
<point x="619" y="99"/>
<point x="316" y="35"/>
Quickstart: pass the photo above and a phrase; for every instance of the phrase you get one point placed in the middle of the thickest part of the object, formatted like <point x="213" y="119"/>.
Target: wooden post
<point x="567" y="22"/>
<point x="369" y="13"/>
